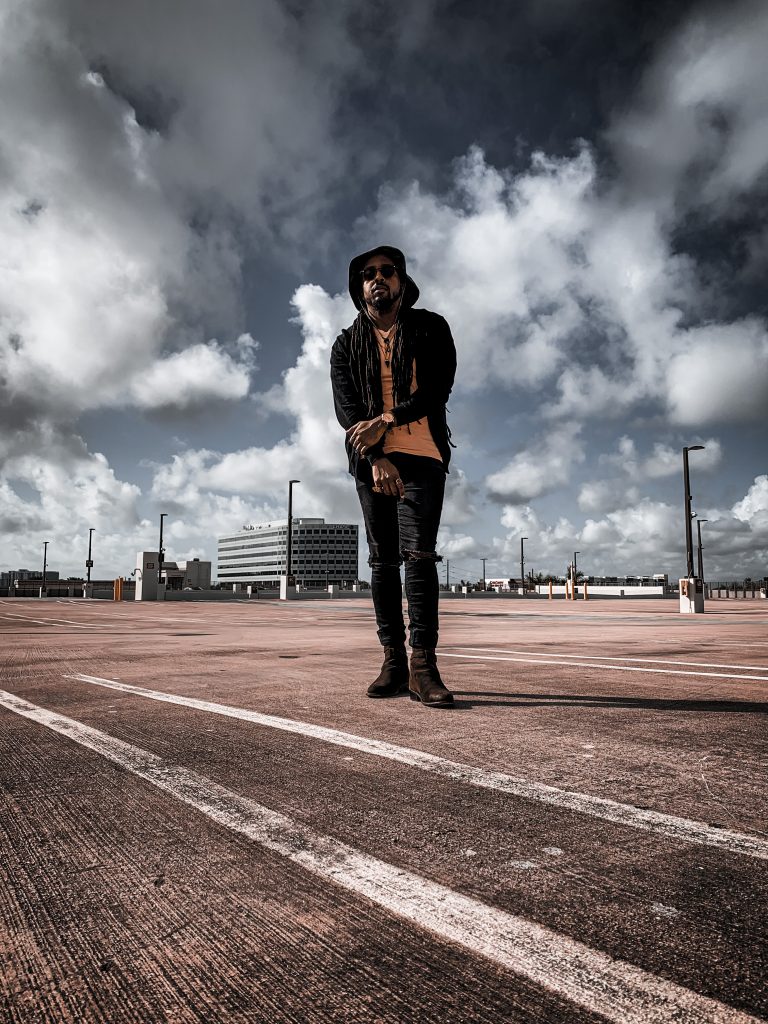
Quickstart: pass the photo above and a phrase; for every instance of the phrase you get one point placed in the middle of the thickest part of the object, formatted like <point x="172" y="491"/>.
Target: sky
<point x="579" y="187"/>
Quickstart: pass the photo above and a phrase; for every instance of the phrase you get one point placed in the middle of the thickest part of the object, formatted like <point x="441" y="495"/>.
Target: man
<point x="392" y="371"/>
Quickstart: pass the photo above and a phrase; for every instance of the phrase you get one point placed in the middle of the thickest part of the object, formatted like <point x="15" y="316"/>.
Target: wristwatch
<point x="388" y="419"/>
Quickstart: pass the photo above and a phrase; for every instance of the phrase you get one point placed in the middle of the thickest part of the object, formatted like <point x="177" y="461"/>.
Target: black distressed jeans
<point x="405" y="531"/>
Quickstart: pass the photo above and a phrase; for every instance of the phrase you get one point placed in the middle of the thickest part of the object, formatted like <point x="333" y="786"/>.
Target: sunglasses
<point x="387" y="271"/>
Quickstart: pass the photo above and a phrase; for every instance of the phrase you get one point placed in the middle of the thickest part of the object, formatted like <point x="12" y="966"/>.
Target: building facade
<point x="321" y="553"/>
<point x="8" y="579"/>
<point x="192" y="574"/>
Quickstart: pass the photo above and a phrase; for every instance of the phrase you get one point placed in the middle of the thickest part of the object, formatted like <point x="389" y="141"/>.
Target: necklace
<point x="386" y="338"/>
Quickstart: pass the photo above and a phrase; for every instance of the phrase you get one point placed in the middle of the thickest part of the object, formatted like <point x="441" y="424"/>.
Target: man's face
<point x="379" y="291"/>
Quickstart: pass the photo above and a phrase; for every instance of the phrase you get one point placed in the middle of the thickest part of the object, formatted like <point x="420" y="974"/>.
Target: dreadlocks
<point x="366" y="365"/>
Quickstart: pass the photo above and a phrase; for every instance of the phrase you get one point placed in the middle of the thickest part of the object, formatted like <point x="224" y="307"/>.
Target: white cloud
<point x="753" y="507"/>
<point x="199" y="374"/>
<point x="701" y="113"/>
<point x="459" y="506"/>
<point x="541" y="468"/>
<point x="665" y="460"/>
<point x="643" y="537"/>
<point x="605" y="495"/>
<point x="721" y="375"/>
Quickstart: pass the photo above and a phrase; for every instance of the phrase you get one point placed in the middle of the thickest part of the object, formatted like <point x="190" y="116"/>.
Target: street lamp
<point x="688" y="516"/>
<point x="574" y="564"/>
<point x="89" y="562"/>
<point x="701" y="557"/>
<point x="160" y="551"/>
<point x="289" y="579"/>
<point x="45" y="564"/>
<point x="483" y="560"/>
<point x="522" y="566"/>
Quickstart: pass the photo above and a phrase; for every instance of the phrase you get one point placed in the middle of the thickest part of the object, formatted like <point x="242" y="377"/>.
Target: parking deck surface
<point x="205" y="820"/>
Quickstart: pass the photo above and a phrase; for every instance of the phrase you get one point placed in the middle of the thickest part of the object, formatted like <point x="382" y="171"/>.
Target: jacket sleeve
<point x="347" y="399"/>
<point x="434" y="375"/>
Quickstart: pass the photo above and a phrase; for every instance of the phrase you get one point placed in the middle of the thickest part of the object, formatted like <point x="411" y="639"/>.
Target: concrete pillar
<point x="691" y="596"/>
<point x="287" y="591"/>
<point x="146" y="575"/>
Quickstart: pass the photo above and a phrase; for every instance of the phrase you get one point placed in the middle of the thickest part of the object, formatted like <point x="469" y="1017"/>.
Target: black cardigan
<point x="434" y="356"/>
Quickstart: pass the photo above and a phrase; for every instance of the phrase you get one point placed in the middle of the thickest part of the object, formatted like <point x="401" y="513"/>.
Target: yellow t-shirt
<point x="412" y="438"/>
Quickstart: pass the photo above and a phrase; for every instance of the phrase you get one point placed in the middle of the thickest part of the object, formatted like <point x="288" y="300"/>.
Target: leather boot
<point x="425" y="683"/>
<point x="393" y="678"/>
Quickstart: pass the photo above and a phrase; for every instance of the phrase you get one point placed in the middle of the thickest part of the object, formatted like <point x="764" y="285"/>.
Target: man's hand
<point x="386" y="479"/>
<point x="366" y="433"/>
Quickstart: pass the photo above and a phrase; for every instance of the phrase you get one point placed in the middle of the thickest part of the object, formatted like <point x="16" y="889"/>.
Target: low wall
<point x="751" y="592"/>
<point x="594" y="590"/>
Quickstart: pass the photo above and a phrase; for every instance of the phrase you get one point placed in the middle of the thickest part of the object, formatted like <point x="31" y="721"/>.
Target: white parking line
<point x="619" y="991"/>
<point x="610" y="668"/>
<point x="606" y="657"/>
<point x="681" y="829"/>
<point x="56" y="621"/>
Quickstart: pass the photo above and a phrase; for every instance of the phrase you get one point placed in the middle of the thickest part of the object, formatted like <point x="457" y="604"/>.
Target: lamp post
<point x="483" y="560"/>
<point x="289" y="578"/>
<point x="574" y="566"/>
<point x="89" y="562"/>
<point x="688" y="516"/>
<point x="701" y="557"/>
<point x="45" y="565"/>
<point x="160" y="551"/>
<point x="522" y="566"/>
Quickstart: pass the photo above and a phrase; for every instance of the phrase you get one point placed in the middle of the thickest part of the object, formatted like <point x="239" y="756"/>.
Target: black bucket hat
<point x="410" y="291"/>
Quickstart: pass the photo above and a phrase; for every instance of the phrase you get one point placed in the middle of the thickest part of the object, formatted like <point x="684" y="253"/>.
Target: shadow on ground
<point x="593" y="701"/>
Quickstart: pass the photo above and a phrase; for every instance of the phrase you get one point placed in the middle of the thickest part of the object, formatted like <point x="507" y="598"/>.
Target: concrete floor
<point x="204" y="819"/>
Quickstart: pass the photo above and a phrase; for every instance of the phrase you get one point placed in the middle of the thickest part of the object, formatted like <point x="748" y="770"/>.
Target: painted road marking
<point x="57" y="621"/>
<point x="609" y="668"/>
<point x="617" y="990"/>
<point x="682" y="829"/>
<point x="605" y="657"/>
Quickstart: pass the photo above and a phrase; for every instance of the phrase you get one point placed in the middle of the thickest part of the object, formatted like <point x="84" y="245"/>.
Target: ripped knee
<point x="416" y="556"/>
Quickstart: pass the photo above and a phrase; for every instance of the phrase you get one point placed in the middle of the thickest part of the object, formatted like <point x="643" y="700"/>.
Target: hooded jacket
<point x="434" y="353"/>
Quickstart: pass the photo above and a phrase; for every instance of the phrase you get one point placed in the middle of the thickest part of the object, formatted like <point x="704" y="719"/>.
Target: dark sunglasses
<point x="387" y="271"/>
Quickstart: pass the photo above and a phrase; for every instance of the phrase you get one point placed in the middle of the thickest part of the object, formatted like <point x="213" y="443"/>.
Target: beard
<point x="384" y="302"/>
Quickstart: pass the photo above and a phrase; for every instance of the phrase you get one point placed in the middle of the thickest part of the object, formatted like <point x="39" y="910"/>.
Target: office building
<point x="322" y="553"/>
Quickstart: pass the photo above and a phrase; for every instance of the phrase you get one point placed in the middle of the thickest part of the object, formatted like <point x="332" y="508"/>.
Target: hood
<point x="410" y="291"/>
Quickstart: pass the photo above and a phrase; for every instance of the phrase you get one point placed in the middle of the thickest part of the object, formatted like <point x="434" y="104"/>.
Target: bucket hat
<point x="410" y="290"/>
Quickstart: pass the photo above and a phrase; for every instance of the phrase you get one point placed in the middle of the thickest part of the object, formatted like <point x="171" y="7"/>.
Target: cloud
<point x="644" y="537"/>
<point x="753" y="507"/>
<point x="606" y="495"/>
<point x="721" y="376"/>
<point x="540" y="468"/>
<point x="57" y="496"/>
<point x="571" y="282"/>
<point x="700" y="119"/>
<point x="197" y="375"/>
<point x="665" y="460"/>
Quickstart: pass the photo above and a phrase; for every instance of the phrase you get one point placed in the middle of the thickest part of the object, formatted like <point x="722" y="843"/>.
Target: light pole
<point x="89" y="562"/>
<point x="45" y="564"/>
<point x="160" y="551"/>
<point x="522" y="566"/>
<point x="701" y="557"/>
<point x="289" y="578"/>
<point x="483" y="560"/>
<point x="688" y="516"/>
<point x="574" y="564"/>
